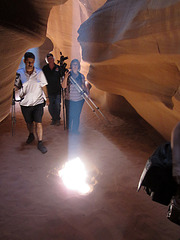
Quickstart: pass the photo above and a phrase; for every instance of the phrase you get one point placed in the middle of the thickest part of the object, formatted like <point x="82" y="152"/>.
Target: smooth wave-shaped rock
<point x="23" y="25"/>
<point x="132" y="47"/>
<point x="133" y="50"/>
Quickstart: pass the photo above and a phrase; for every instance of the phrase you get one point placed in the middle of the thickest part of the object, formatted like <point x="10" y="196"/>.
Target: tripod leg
<point x="64" y="118"/>
<point x="86" y="98"/>
<point x="90" y="106"/>
<point x="96" y="107"/>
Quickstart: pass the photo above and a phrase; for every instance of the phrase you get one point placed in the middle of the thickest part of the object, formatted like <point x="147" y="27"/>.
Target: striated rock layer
<point x="63" y="24"/>
<point x="133" y="48"/>
<point x="22" y="26"/>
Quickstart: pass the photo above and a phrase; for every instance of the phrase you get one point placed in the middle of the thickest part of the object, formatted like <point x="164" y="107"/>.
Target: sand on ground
<point x="35" y="205"/>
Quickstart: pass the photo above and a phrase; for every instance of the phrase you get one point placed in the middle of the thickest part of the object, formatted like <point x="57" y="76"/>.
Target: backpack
<point x="157" y="176"/>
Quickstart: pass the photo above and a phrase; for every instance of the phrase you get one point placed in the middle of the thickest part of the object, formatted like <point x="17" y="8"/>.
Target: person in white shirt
<point x="33" y="94"/>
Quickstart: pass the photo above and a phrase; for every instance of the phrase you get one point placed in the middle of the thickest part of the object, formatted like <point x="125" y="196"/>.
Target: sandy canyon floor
<point x="35" y="205"/>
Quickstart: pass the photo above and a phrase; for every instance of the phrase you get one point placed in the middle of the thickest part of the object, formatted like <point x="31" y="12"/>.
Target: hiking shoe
<point x="30" y="138"/>
<point x="41" y="147"/>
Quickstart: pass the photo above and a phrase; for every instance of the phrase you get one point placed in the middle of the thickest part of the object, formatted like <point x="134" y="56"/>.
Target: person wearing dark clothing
<point x="53" y="75"/>
<point x="73" y="98"/>
<point x="175" y="144"/>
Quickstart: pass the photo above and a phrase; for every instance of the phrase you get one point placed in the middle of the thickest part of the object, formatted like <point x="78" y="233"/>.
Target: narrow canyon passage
<point x="35" y="204"/>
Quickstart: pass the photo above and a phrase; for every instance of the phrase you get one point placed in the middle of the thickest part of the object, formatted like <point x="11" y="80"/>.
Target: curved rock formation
<point x="22" y="25"/>
<point x="133" y="50"/>
<point x="64" y="22"/>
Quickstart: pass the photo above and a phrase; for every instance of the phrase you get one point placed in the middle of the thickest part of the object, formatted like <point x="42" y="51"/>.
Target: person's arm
<point x="84" y="85"/>
<point x="46" y="94"/>
<point x="64" y="82"/>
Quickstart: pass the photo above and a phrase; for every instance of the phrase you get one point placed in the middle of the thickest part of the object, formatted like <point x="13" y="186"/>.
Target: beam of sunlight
<point x="74" y="176"/>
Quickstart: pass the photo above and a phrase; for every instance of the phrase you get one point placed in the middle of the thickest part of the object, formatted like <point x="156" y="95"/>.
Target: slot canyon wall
<point x="129" y="50"/>
<point x="23" y="25"/>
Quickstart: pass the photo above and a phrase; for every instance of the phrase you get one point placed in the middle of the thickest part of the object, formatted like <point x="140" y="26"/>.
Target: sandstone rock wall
<point x="63" y="24"/>
<point x="23" y="25"/>
<point x="132" y="48"/>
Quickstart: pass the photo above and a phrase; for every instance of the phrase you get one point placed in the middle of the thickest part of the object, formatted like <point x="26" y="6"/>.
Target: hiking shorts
<point x="33" y="113"/>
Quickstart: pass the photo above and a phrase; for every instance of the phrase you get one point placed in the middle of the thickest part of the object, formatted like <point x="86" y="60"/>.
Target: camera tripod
<point x="63" y="100"/>
<point x="95" y="109"/>
<point x="13" y="111"/>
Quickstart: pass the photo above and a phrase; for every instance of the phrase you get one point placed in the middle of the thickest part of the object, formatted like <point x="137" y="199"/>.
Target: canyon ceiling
<point x="128" y="48"/>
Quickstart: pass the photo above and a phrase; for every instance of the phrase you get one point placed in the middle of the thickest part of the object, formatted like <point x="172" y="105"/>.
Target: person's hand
<point x="65" y="78"/>
<point x="47" y="101"/>
<point x="66" y="75"/>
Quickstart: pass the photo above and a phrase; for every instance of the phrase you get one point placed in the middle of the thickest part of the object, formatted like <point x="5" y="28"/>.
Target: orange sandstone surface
<point x="129" y="51"/>
<point x="132" y="48"/>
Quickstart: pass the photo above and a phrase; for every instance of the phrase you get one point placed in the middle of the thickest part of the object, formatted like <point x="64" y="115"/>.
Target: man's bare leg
<point x="39" y="133"/>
